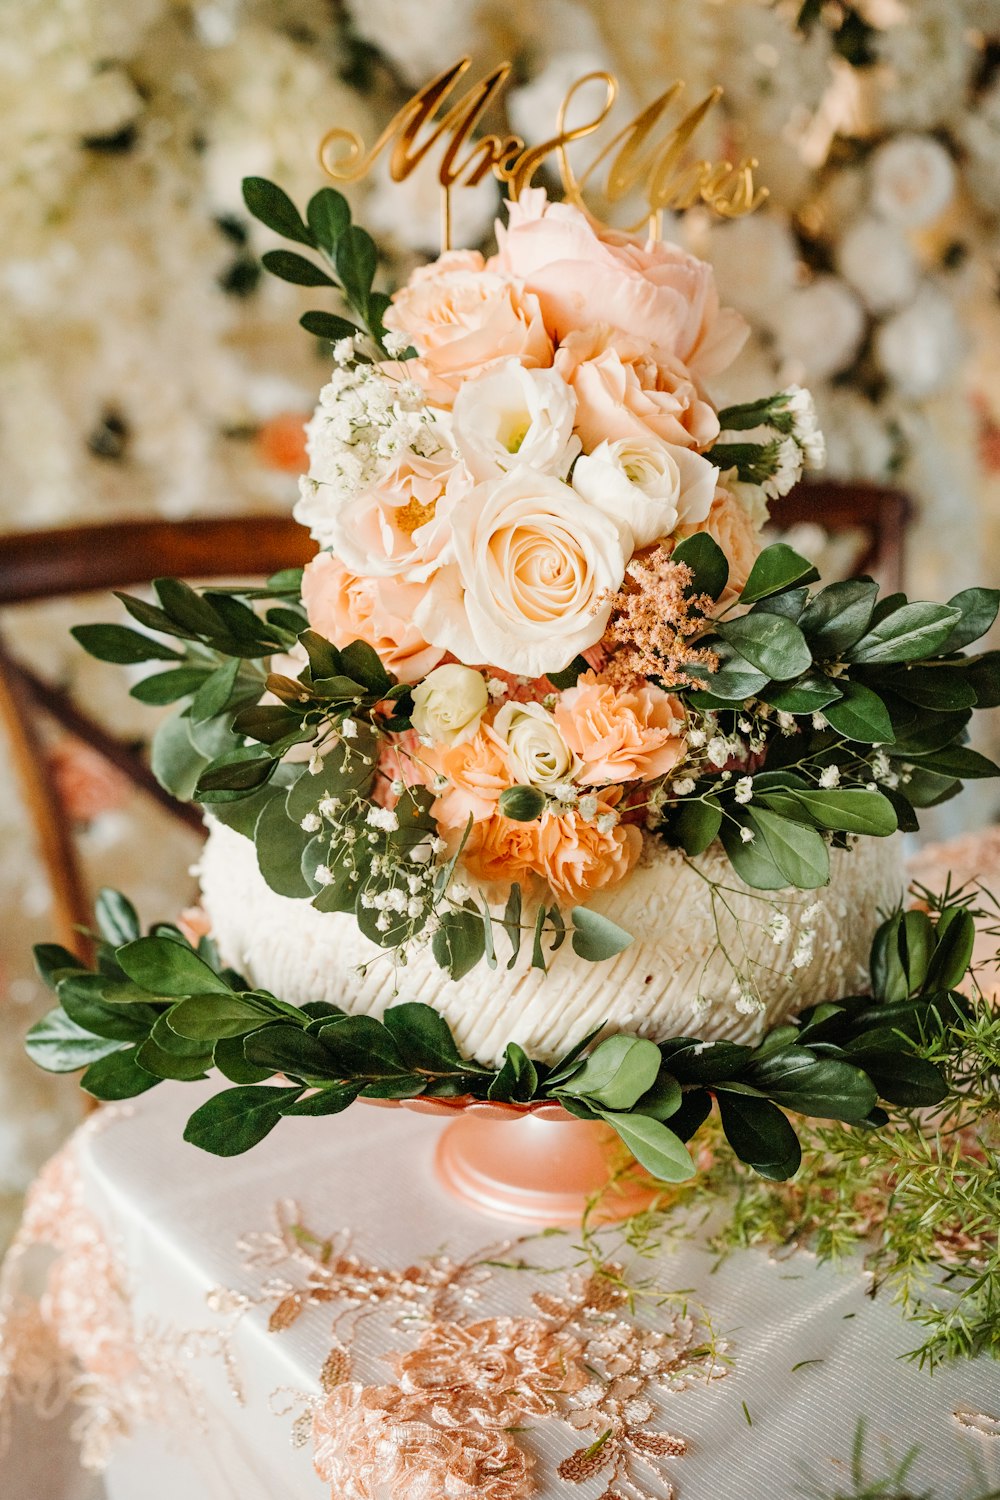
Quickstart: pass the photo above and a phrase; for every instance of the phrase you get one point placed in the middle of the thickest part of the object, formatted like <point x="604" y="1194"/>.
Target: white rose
<point x="913" y="179"/>
<point x="539" y="756"/>
<point x="819" y="328"/>
<point x="449" y="703"/>
<point x="535" y="569"/>
<point x="651" y="487"/>
<point x="512" y="417"/>
<point x="920" y="347"/>
<point x="875" y="258"/>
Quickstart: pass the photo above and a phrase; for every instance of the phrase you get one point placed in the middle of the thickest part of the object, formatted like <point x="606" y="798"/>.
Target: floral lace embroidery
<point x="451" y="1423"/>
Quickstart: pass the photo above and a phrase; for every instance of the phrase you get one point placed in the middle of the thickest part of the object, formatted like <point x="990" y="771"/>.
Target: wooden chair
<point x="86" y="559"/>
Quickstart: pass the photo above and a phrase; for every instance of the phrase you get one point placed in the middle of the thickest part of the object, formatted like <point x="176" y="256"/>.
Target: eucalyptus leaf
<point x="458" y="943"/>
<point x="175" y="762"/>
<point x="280" y="845"/>
<point x="595" y="936"/>
<point x="695" y="824"/>
<point x="617" y="1073"/>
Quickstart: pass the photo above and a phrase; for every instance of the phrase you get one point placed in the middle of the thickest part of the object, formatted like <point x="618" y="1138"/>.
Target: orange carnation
<point x="620" y="736"/>
<point x="501" y="849"/>
<point x="576" y="856"/>
<point x="477" y="774"/>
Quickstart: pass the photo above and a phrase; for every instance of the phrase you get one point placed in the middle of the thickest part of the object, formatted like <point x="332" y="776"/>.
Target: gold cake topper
<point x="637" y="156"/>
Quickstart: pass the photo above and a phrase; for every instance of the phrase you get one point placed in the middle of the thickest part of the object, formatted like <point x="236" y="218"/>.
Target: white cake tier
<point x="674" y="979"/>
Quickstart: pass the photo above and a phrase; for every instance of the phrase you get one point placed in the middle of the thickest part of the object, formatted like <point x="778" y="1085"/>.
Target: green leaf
<point x="54" y="962"/>
<point x="809" y="695"/>
<point x="165" y="1063"/>
<point x="653" y="1145"/>
<point x="983" y="675"/>
<point x="324" y="325"/>
<point x="273" y="207"/>
<point x="707" y="561"/>
<point x="186" y="608"/>
<point x="151" y="615"/>
<point x="853" y="810"/>
<point x="567" y="678"/>
<point x="423" y="1037"/>
<point x="778" y="567"/>
<point x="662" y="1100"/>
<point x="734" y="682"/>
<point x="900" y="1077"/>
<point x="522" y="804"/>
<point x="913" y="631"/>
<point x="356" y="260"/>
<point x="760" y="1134"/>
<point x="458" y="943"/>
<point x="617" y="1073"/>
<point x="330" y="1101"/>
<point x="752" y="861"/>
<point x="799" y="852"/>
<point x="363" y="663"/>
<point x="959" y="761"/>
<point x="117" y="919"/>
<point x="823" y="1086"/>
<point x="295" y="268"/>
<point x="168" y="687"/>
<point x="944" y="690"/>
<point x="362" y="1047"/>
<point x="58" y="1045"/>
<point x="118" y="643"/>
<point x="80" y="998"/>
<point x="328" y="215"/>
<point x="280" y="845"/>
<point x="839" y="615"/>
<point x="163" y="967"/>
<point x="953" y="951"/>
<point x="228" y="1057"/>
<point x="596" y="937"/>
<point x="695" y="823"/>
<point x="517" y="1080"/>
<point x="511" y="922"/>
<point x="768" y="642"/>
<point x="117" y="1076"/>
<point x="537" y="951"/>
<point x="706" y="1062"/>
<point x="215" y="692"/>
<point x="175" y="762"/>
<point x="790" y="604"/>
<point x="237" y="1119"/>
<point x="209" y="1018"/>
<point x="348" y="767"/>
<point x="242" y="770"/>
<point x="977" y="610"/>
<point x="290" y="1049"/>
<point x="860" y="715"/>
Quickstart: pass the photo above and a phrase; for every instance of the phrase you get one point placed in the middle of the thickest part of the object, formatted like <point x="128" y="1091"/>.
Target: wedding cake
<point x="532" y="523"/>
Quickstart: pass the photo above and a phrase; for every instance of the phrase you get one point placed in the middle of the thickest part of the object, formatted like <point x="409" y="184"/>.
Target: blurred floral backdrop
<point x="147" y="367"/>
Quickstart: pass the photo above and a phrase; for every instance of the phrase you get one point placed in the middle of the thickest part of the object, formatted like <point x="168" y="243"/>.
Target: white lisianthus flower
<point x="512" y="417"/>
<point x="538" y="754"/>
<point x="875" y="258"/>
<point x="651" y="487"/>
<point x="449" y="703"/>
<point x="535" y="572"/>
<point x="913" y="180"/>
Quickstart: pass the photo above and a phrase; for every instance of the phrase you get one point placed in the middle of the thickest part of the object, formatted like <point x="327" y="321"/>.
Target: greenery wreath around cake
<point x="527" y="649"/>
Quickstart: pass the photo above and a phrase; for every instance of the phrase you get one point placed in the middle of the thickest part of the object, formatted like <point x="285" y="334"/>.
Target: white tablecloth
<point x="810" y="1352"/>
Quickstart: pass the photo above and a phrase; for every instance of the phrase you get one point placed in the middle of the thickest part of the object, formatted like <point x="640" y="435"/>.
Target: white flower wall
<point x="147" y="367"/>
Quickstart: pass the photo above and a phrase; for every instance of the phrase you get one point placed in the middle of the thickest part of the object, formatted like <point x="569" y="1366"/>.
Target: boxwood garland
<point x="154" y="1007"/>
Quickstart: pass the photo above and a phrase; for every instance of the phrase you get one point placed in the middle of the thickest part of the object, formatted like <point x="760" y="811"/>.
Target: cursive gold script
<point x="646" y="155"/>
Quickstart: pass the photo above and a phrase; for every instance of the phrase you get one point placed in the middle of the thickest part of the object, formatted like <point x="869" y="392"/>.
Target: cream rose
<point x="512" y="417"/>
<point x="449" y="703"/>
<point x="535" y="570"/>
<point x="461" y="319"/>
<point x="653" y="290"/>
<point x="651" y="487"/>
<point x="537" y="753"/>
<point x="622" y="392"/>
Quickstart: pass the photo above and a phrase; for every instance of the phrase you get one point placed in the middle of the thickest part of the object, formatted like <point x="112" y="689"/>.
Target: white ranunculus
<point x="650" y="487"/>
<point x="449" y="703"/>
<point x="913" y="180"/>
<point x="920" y="347"/>
<point x="819" y="329"/>
<point x="511" y="417"/>
<point x="535" y="570"/>
<point x="538" y="754"/>
<point x="875" y="258"/>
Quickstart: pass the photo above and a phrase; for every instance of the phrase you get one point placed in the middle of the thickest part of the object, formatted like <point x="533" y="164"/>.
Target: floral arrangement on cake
<point x="542" y="632"/>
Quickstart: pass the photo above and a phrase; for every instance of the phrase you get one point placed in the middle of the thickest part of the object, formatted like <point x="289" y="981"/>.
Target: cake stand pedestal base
<point x="542" y="1171"/>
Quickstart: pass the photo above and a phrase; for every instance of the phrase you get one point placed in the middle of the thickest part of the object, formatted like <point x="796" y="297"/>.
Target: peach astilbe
<point x="653" y="624"/>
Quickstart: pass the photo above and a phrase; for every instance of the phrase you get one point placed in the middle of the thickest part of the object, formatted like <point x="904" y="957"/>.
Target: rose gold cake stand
<point x="533" y="1162"/>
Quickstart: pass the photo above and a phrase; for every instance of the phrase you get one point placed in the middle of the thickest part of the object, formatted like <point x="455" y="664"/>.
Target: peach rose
<point x="344" y="607"/>
<point x="582" y="274"/>
<point x="620" y="736"/>
<point x="621" y="392"/>
<point x="477" y="774"/>
<point x="576" y="856"/>
<point x="731" y="525"/>
<point x="399" y="527"/>
<point x="461" y="318"/>
<point x="500" y="849"/>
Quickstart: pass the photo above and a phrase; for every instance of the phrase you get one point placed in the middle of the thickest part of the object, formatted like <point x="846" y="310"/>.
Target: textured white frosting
<point x="652" y="988"/>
